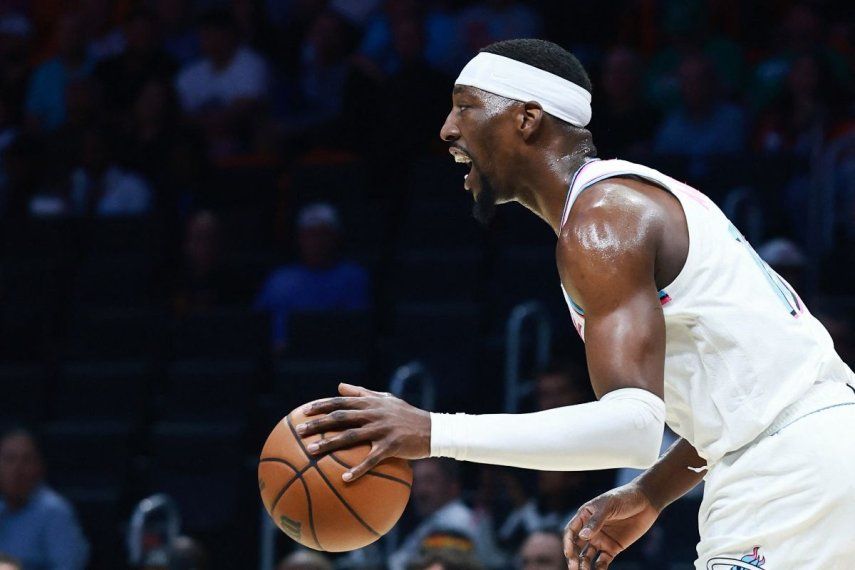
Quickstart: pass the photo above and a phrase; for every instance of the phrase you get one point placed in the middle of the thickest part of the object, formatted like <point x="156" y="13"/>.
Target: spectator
<point x="439" y="508"/>
<point x="787" y="259"/>
<point x="319" y="88"/>
<point x="562" y="384"/>
<point x="153" y="130"/>
<point x="321" y="281"/>
<point x="686" y="22"/>
<point x="491" y="21"/>
<point x="558" y="495"/>
<point x="446" y="551"/>
<point x="9" y="563"/>
<point x="228" y="76"/>
<point x="15" y="43"/>
<point x="543" y="550"/>
<point x="802" y="33"/>
<point x="704" y="125"/>
<point x="441" y="49"/>
<point x="37" y="525"/>
<point x="105" y="39"/>
<point x="100" y="187"/>
<point x="622" y="120"/>
<point x="24" y="173"/>
<point x="126" y="74"/>
<point x="302" y="559"/>
<point x="178" y="38"/>
<point x="203" y="282"/>
<point x="187" y="554"/>
<point x="45" y="100"/>
<point x="803" y="114"/>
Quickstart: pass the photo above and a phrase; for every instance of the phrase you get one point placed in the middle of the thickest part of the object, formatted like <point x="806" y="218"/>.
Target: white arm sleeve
<point x="623" y="429"/>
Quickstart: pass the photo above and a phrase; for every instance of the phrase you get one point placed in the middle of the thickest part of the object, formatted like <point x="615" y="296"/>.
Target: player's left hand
<point x="393" y="427"/>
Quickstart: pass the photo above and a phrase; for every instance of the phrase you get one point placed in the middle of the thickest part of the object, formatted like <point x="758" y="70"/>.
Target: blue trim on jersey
<point x="581" y="312"/>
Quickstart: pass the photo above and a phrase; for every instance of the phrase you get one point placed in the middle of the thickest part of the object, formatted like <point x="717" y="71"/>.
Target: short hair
<point x="543" y="55"/>
<point x="21" y="431"/>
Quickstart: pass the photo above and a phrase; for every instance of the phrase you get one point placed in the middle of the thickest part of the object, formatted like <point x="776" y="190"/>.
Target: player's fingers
<point x="592" y="517"/>
<point x="328" y="405"/>
<point x="346" y="389"/>
<point x="334" y="421"/>
<point x="377" y="455"/>
<point x="570" y="537"/>
<point x="345" y="439"/>
<point x="586" y="557"/>
<point x="603" y="560"/>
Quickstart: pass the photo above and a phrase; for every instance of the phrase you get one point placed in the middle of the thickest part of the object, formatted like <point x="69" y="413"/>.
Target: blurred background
<point x="214" y="211"/>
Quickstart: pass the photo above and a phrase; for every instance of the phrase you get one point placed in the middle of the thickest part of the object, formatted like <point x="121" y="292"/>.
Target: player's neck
<point x="545" y="190"/>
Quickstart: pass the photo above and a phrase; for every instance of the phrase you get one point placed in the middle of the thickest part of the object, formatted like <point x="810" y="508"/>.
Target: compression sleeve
<point x="623" y="429"/>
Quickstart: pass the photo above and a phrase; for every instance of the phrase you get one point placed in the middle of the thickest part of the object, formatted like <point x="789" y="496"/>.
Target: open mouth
<point x="461" y="157"/>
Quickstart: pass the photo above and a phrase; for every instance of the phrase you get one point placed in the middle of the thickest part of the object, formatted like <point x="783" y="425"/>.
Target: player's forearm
<point x="623" y="429"/>
<point x="675" y="474"/>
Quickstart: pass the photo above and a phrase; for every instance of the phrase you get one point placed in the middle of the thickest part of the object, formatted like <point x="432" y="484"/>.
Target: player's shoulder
<point x="615" y="213"/>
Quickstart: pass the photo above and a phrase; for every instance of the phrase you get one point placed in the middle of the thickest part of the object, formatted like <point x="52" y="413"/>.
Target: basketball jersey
<point x="740" y="344"/>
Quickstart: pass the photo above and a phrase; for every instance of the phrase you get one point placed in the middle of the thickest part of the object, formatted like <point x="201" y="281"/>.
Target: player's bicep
<point x="625" y="344"/>
<point x="607" y="261"/>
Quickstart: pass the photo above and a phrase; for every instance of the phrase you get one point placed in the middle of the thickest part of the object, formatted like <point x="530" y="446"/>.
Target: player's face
<point x="476" y="130"/>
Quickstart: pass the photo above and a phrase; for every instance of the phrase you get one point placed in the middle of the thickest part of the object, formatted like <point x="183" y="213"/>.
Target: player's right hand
<point x="605" y="526"/>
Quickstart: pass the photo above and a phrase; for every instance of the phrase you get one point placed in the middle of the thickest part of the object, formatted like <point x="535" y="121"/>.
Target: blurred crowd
<point x="280" y="156"/>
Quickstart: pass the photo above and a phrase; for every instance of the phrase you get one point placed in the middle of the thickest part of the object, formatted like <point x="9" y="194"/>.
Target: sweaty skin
<point x="624" y="239"/>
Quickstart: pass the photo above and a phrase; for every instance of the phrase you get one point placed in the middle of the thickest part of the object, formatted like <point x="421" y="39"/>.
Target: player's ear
<point x="530" y="119"/>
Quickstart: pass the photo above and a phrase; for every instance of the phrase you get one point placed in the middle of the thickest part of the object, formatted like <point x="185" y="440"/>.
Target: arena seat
<point x="117" y="333"/>
<point x="301" y="380"/>
<point x="122" y="235"/>
<point x="442" y="221"/>
<point x="88" y="453"/>
<point x="199" y="465"/>
<point x="341" y="334"/>
<point x="115" y="281"/>
<point x="222" y="333"/>
<point x="23" y="387"/>
<point x="212" y="390"/>
<point x="435" y="176"/>
<point x="514" y="225"/>
<point x="107" y="391"/>
<point x="438" y="276"/>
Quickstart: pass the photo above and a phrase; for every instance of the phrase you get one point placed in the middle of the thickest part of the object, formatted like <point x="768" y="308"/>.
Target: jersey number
<point x="783" y="291"/>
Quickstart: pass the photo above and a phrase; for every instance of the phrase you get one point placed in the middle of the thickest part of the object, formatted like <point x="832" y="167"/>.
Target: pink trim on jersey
<point x="691" y="193"/>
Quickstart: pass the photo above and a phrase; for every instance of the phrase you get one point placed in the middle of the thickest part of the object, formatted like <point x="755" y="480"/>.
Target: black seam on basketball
<point x="314" y="464"/>
<point x="335" y="458"/>
<point x="311" y="513"/>
<point x="297" y="475"/>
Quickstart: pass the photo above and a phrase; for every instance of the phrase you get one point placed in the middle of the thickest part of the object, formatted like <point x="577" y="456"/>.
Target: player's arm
<point x="611" y="256"/>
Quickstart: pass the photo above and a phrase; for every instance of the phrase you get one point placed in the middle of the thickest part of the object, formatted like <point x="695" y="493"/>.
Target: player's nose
<point x="449" y="131"/>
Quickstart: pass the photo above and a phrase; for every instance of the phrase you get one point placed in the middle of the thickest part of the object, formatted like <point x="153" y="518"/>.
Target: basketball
<point x="308" y="500"/>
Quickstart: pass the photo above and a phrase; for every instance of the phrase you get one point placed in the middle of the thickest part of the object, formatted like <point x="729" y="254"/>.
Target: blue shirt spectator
<point x="320" y="282"/>
<point x="704" y="126"/>
<point x="45" y="99"/>
<point x="37" y="525"/>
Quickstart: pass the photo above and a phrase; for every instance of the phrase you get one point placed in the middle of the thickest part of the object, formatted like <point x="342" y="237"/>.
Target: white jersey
<point x="740" y="344"/>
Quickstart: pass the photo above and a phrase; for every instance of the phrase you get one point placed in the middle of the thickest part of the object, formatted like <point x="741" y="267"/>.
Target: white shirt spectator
<point x="200" y="84"/>
<point x="453" y="517"/>
<point x="122" y="193"/>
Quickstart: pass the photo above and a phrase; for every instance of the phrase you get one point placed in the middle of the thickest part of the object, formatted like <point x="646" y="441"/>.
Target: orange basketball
<point x="307" y="498"/>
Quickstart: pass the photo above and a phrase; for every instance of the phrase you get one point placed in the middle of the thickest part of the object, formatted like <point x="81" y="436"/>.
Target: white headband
<point x="522" y="82"/>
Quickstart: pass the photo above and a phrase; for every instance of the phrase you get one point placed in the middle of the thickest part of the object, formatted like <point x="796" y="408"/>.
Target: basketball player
<point x="674" y="306"/>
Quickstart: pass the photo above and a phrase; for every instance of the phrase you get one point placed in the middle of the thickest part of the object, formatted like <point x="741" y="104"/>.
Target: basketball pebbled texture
<point x="308" y="500"/>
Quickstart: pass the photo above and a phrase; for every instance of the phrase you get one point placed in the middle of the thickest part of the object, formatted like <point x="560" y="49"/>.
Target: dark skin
<point x="624" y="239"/>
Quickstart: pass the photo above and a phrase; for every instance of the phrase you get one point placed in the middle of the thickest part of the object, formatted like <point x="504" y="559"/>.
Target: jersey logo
<point x="751" y="561"/>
